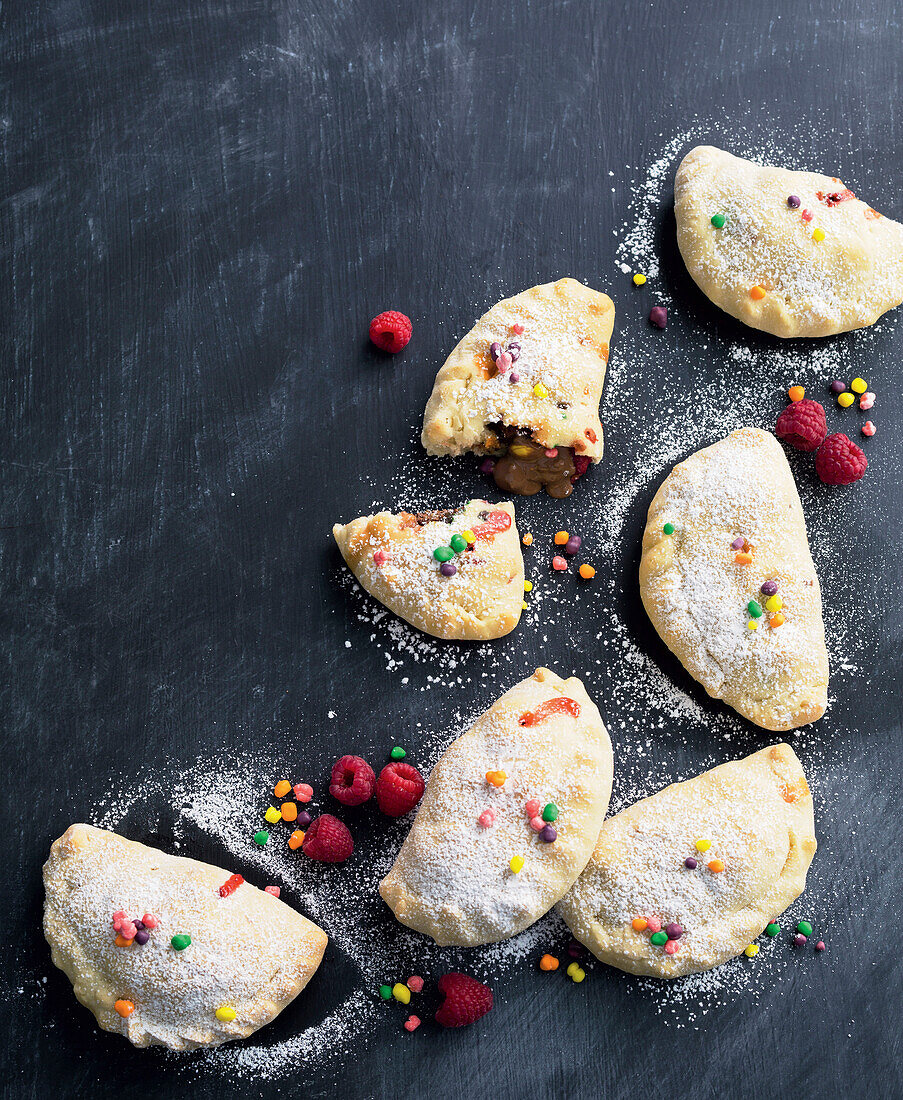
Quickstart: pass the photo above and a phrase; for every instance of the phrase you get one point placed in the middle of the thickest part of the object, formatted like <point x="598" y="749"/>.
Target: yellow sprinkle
<point x="818" y="235"/>
<point x="752" y="625"/>
<point x="858" y="385"/>
<point x="639" y="279"/>
<point x="528" y="586"/>
<point x="225" y="1014"/>
<point x="469" y="535"/>
<point x="751" y="951"/>
<point x="273" y="815"/>
<point x="527" y="540"/>
<point x="524" y="605"/>
<point x="519" y="450"/>
<point x="401" y="993"/>
<point x="774" y="603"/>
<point x="703" y="845"/>
<point x="845" y="400"/>
<point x="576" y="972"/>
<point x="539" y="390"/>
<point x="516" y="864"/>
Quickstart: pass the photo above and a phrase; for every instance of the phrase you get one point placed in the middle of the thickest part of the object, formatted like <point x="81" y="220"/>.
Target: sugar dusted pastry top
<point x="811" y="287"/>
<point x="452" y="879"/>
<point x="249" y="951"/>
<point x="751" y="819"/>
<point x="697" y="594"/>
<point x="393" y="558"/>
<point x="563" y="352"/>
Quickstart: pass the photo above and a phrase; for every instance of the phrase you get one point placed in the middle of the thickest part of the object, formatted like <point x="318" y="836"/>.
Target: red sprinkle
<point x="304" y="792"/>
<point x="414" y="983"/>
<point x="274" y="890"/>
<point x="806" y="215"/>
<point x="412" y="1023"/>
<point x="835" y="197"/>
<point x="496" y="522"/>
<point x="230" y="885"/>
<point x="561" y="704"/>
<point x="559" y="563"/>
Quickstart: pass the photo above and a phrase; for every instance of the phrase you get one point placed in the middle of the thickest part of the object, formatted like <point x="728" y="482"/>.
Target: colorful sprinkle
<point x="412" y="1023"/>
<point x="458" y="543"/>
<point x="572" y="545"/>
<point x="837" y="386"/>
<point x="124" y="1008"/>
<point x="674" y="930"/>
<point x="282" y="788"/>
<point x="487" y="819"/>
<point x="537" y="824"/>
<point x="799" y="939"/>
<point x="575" y="949"/>
<point x="845" y="400"/>
<point x="576" y="972"/>
<point x="659" y="938"/>
<point x="738" y="543"/>
<point x="716" y="866"/>
<point x="820" y="946"/>
<point x="121" y="941"/>
<point x="769" y="588"/>
<point x="304" y="792"/>
<point x="754" y="609"/>
<point x="751" y="951"/>
<point x="772" y="929"/>
<point x="858" y="385"/>
<point x="776" y="621"/>
<point x="397" y="753"/>
<point x="274" y="890"/>
<point x="181" y="941"/>
<point x="385" y="991"/>
<point x="805" y="927"/>
<point x="549" y="834"/>
<point x="149" y="921"/>
<point x="539" y="390"/>
<point x="561" y="538"/>
<point x="868" y="428"/>
<point x="559" y="563"/>
<point x="527" y="540"/>
<point x="272" y="815"/>
<point x="550" y="812"/>
<point x="586" y="572"/>
<point x="818" y="235"/>
<point x="516" y="863"/>
<point x="806" y="215"/>
<point x="691" y="863"/>
<point x="743" y="558"/>
<point x="668" y="528"/>
<point x="639" y="279"/>
<point x="496" y="778"/>
<point x="443" y="553"/>
<point x="796" y="393"/>
<point x="304" y="819"/>
<point x="401" y="993"/>
<point x="487" y="465"/>
<point x="380" y="557"/>
<point x="230" y="885"/>
<point x="718" y="221"/>
<point x="296" y="839"/>
<point x="757" y="293"/>
<point x="638" y="924"/>
<point x="548" y="962"/>
<point x="261" y="838"/>
<point x="517" y="329"/>
<point x="752" y="624"/>
<point x="532" y="808"/>
<point x="415" y="983"/>
<point x="672" y="947"/>
<point x="658" y="316"/>
<point x="867" y="400"/>
<point x="703" y="845"/>
<point x="448" y="569"/>
<point x="469" y="537"/>
<point x="793" y="201"/>
<point x="774" y="603"/>
<point x="653" y="924"/>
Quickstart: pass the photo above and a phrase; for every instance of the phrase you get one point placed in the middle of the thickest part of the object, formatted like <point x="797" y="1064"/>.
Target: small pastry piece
<point x="525" y="383"/>
<point x="457" y="574"/>
<point x="509" y="817"/>
<point x="703" y="865"/>
<point x="169" y="951"/>
<point x="791" y="253"/>
<point x="727" y="579"/>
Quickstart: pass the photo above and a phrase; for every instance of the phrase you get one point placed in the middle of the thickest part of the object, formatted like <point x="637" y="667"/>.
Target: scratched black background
<point x="203" y="203"/>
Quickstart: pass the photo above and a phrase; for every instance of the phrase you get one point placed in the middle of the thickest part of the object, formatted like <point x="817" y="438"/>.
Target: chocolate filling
<point x="527" y="466"/>
<point x="420" y="519"/>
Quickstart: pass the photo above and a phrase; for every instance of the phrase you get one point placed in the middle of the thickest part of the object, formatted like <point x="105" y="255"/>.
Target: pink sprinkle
<point x="486" y="819"/>
<point x="380" y="557"/>
<point x="517" y="329"/>
<point x="149" y="921"/>
<point x="414" y="983"/>
<point x="806" y="215"/>
<point x="514" y="376"/>
<point x="532" y="808"/>
<point x="653" y="924"/>
<point x="119" y="916"/>
<point x="867" y="400"/>
<point x="552" y="452"/>
<point x="412" y="1023"/>
<point x="503" y="362"/>
<point x="559" y="563"/>
<point x="868" y="428"/>
<point x="304" y="792"/>
<point x="537" y="824"/>
<point x="820" y="946"/>
<point x="672" y="947"/>
<point x="274" y="890"/>
<point x="127" y="930"/>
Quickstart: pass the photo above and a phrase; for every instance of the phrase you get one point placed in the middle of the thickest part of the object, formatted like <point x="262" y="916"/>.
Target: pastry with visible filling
<point x="523" y="387"/>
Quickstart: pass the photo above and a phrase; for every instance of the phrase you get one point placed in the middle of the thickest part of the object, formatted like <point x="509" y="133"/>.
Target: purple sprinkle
<point x="572" y="545"/>
<point x="139" y="925"/>
<point x="487" y="465"/>
<point x="737" y="544"/>
<point x="303" y="819"/>
<point x="658" y="315"/>
<point x="575" y="949"/>
<point x="514" y="352"/>
<point x="799" y="939"/>
<point x="820" y="946"/>
<point x="513" y="376"/>
<point x="837" y="386"/>
<point x="448" y="569"/>
<point x="793" y="201"/>
<point x="769" y="588"/>
<point x="548" y="834"/>
<point x="141" y="937"/>
<point x="691" y="863"/>
<point x="674" y="931"/>
<point x="495" y="350"/>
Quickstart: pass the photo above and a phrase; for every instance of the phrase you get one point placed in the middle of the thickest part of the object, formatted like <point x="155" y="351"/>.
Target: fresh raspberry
<point x="839" y="461"/>
<point x="327" y="840"/>
<point x="802" y="425"/>
<point x="399" y="788"/>
<point x="581" y="465"/>
<point x="352" y="781"/>
<point x="466" y="1000"/>
<point x="391" y="330"/>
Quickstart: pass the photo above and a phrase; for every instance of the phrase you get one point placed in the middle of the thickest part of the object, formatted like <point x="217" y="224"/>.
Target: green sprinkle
<point x="805" y="927"/>
<point x="658" y="938"/>
<point x="668" y="528"/>
<point x="443" y="553"/>
<point x="550" y="812"/>
<point x="754" y="609"/>
<point x="385" y="991"/>
<point x="261" y="838"/>
<point x="458" y="543"/>
<point x="772" y="929"/>
<point x="180" y="942"/>
<point x="398" y="753"/>
<point x="718" y="221"/>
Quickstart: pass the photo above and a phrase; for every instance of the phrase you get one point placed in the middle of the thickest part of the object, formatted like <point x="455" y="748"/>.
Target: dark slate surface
<point x="202" y="205"/>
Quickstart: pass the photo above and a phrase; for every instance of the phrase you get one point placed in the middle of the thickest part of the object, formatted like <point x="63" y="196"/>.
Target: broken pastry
<point x="728" y="581"/>
<point x="169" y="951"/>
<point x="509" y="818"/>
<point x="524" y="386"/>
<point x="792" y="253"/>
<point x="687" y="879"/>
<point x="457" y="573"/>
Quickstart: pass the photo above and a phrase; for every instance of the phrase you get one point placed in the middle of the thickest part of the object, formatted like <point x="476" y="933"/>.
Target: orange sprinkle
<point x="496" y="779"/>
<point x="796" y="393"/>
<point x="715" y="866"/>
<point x="777" y="620"/>
<point x="561" y="538"/>
<point x="548" y="962"/>
<point x="870" y="213"/>
<point x="757" y="292"/>
<point x="289" y="811"/>
<point x="639" y="924"/>
<point x="527" y="540"/>
<point x="124" y="1008"/>
<point x="282" y="788"/>
<point x="121" y="941"/>
<point x="587" y="572"/>
<point x="743" y="558"/>
<point x="296" y="839"/>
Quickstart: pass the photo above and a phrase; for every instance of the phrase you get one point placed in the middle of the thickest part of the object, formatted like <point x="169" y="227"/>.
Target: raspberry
<point x="352" y="781"/>
<point x="398" y="789"/>
<point x="327" y="840"/>
<point x="466" y="1000"/>
<point x="391" y="330"/>
<point x="839" y="461"/>
<point x="802" y="425"/>
<point x="581" y="465"/>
